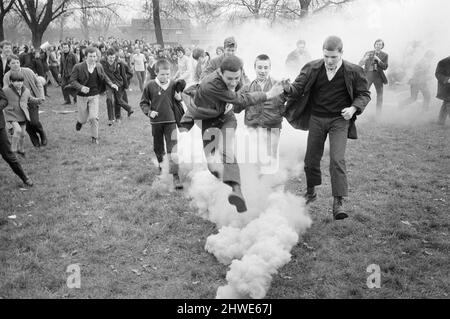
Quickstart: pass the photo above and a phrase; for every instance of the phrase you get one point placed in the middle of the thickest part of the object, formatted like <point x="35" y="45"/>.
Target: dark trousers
<point x="66" y="94"/>
<point x="444" y="112"/>
<point x="219" y="135"/>
<point x="375" y="79"/>
<point x="337" y="129"/>
<point x="415" y="89"/>
<point x="125" y="96"/>
<point x="9" y="156"/>
<point x="34" y="127"/>
<point x="114" y="102"/>
<point x="167" y="132"/>
<point x="55" y="72"/>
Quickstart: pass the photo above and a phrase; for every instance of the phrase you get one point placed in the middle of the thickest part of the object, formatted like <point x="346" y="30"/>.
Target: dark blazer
<point x="67" y="64"/>
<point x="121" y="75"/>
<point x="126" y="70"/>
<point x="2" y="74"/>
<point x="3" y="104"/>
<point x="443" y="75"/>
<point x="80" y="77"/>
<point x="298" y="107"/>
<point x="382" y="65"/>
<point x="209" y="99"/>
<point x="26" y="60"/>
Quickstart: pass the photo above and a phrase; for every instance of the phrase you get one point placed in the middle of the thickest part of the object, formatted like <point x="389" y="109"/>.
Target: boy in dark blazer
<point x="89" y="80"/>
<point x="325" y="99"/>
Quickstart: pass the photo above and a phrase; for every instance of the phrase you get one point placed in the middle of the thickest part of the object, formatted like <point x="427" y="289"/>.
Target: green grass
<point x="94" y="206"/>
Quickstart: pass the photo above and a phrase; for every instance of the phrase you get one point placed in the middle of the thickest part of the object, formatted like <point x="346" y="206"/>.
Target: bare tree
<point x="315" y="6"/>
<point x="5" y="8"/>
<point x="96" y="13"/>
<point x="104" y="21"/>
<point x="153" y="11"/>
<point x="157" y="23"/>
<point x="61" y="21"/>
<point x="304" y="7"/>
<point x="39" y="14"/>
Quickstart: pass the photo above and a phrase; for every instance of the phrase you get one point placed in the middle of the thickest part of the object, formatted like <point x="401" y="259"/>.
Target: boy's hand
<point x="348" y="112"/>
<point x="115" y="87"/>
<point x="85" y="90"/>
<point x="153" y="114"/>
<point x="178" y="96"/>
<point x="228" y="108"/>
<point x="276" y="90"/>
<point x="286" y="83"/>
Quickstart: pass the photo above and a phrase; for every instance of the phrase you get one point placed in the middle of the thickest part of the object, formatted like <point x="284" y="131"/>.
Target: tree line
<point x="39" y="14"/>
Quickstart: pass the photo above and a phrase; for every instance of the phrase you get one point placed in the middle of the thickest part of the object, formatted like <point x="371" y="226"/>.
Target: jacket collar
<point x="269" y="81"/>
<point x="15" y="91"/>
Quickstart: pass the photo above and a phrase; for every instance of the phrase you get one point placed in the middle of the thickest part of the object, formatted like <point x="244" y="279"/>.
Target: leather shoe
<point x="28" y="182"/>
<point x="43" y="140"/>
<point x="177" y="182"/>
<point x="310" y="197"/>
<point x="237" y="199"/>
<point x="78" y="126"/>
<point x="338" y="210"/>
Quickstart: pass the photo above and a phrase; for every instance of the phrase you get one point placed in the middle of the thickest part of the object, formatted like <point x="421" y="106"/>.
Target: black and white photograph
<point x="246" y="150"/>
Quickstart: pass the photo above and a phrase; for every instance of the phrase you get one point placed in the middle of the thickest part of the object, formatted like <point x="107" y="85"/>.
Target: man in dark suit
<point x="325" y="98"/>
<point x="375" y="62"/>
<point x="6" y="52"/>
<point x="443" y="93"/>
<point x="5" y="145"/>
<point x="68" y="61"/>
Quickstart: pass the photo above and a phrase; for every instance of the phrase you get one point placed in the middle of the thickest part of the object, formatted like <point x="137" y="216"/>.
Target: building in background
<point x="174" y="31"/>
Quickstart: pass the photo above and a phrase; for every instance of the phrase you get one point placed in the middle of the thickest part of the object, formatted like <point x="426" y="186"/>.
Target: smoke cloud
<point x="399" y="23"/>
<point x="257" y="243"/>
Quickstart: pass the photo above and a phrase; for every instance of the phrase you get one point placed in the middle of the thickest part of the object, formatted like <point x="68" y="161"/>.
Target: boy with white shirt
<point x="157" y="103"/>
<point x="325" y="99"/>
<point x="139" y="62"/>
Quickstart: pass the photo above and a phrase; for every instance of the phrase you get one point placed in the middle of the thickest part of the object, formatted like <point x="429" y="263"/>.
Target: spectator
<point x="138" y="62"/>
<point x="443" y="93"/>
<point x="375" y="62"/>
<point x="67" y="63"/>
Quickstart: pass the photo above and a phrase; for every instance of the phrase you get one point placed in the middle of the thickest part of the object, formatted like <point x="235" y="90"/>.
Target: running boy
<point x="157" y="103"/>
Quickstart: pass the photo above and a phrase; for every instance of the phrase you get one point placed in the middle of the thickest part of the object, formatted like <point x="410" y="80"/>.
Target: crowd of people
<point x="181" y="86"/>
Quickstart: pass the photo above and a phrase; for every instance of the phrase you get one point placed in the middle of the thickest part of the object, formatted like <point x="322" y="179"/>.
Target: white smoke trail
<point x="258" y="242"/>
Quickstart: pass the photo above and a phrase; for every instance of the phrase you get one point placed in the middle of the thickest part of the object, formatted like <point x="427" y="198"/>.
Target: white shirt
<point x="162" y="86"/>
<point x="332" y="73"/>
<point x="91" y="67"/>
<point x="4" y="62"/>
<point x="139" y="62"/>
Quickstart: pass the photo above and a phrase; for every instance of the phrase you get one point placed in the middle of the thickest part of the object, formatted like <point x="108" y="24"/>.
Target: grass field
<point x="94" y="206"/>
